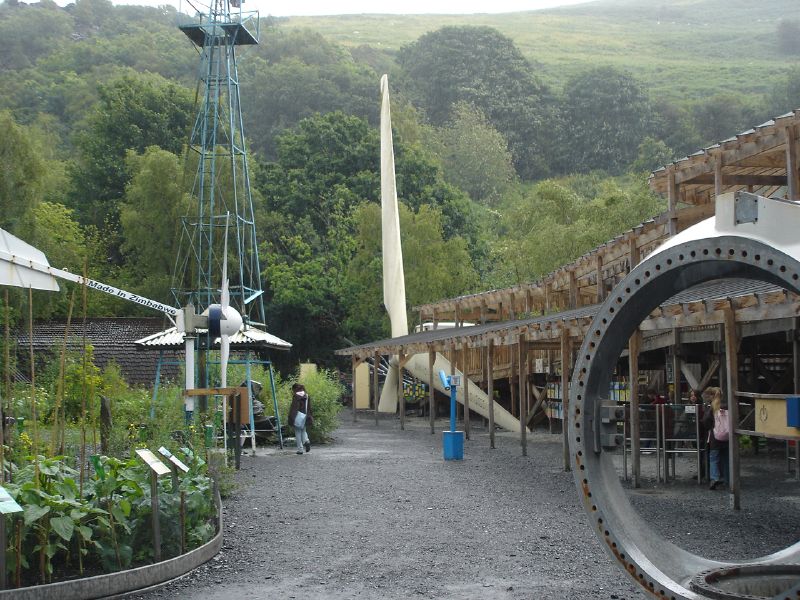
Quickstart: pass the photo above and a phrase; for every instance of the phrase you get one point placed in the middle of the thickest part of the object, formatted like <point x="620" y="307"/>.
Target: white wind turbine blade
<point x="225" y="300"/>
<point x="224" y="338"/>
<point x="394" y="285"/>
<point x="224" y="352"/>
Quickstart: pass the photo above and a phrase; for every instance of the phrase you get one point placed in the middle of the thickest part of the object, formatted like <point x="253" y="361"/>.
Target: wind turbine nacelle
<point x="223" y="321"/>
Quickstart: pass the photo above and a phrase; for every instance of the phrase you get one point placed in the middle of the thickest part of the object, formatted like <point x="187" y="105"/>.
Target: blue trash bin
<point x="453" y="444"/>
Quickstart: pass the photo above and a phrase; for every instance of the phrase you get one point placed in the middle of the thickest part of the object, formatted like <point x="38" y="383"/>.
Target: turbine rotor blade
<point x="224" y="351"/>
<point x="225" y="300"/>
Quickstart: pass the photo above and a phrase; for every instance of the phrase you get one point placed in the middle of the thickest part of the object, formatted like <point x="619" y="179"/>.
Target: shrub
<point x="325" y="392"/>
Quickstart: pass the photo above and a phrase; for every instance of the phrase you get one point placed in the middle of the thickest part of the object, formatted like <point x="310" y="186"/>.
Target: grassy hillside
<point x="682" y="49"/>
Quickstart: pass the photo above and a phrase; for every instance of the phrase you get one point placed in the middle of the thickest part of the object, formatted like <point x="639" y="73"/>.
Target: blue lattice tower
<point x="221" y="186"/>
<point x="221" y="223"/>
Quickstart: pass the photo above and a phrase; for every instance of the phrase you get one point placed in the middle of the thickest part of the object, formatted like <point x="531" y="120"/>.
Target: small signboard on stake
<point x="159" y="468"/>
<point x="173" y="459"/>
<point x="7" y="504"/>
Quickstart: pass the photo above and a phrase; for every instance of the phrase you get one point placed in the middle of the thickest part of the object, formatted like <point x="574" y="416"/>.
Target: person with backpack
<point x="300" y="417"/>
<point x="715" y="420"/>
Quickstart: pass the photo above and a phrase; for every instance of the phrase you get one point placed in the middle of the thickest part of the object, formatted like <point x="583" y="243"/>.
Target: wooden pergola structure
<point x="548" y="319"/>
<point x="763" y="160"/>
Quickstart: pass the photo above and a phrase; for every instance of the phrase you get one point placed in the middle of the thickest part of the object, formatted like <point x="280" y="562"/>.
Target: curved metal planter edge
<point x="123" y="582"/>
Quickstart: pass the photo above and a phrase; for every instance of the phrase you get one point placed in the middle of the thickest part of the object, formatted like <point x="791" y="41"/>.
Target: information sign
<point x="173" y="459"/>
<point x="7" y="504"/>
<point x="159" y="468"/>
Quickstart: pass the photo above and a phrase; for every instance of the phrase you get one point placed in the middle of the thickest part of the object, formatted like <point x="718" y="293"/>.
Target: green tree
<point x="30" y="32"/>
<point x="556" y="221"/>
<point x="674" y="125"/>
<point x="51" y="228"/>
<point x="434" y="267"/>
<point x="653" y="154"/>
<point x="299" y="74"/>
<point x="326" y="168"/>
<point x="22" y="173"/>
<point x="786" y="94"/>
<point x="484" y="68"/>
<point x="788" y="36"/>
<point x="475" y="155"/>
<point x="606" y="115"/>
<point x="134" y="112"/>
<point x="150" y="216"/>
<point x="721" y="116"/>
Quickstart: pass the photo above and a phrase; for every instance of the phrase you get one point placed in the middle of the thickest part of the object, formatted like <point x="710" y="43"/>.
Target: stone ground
<point x="378" y="513"/>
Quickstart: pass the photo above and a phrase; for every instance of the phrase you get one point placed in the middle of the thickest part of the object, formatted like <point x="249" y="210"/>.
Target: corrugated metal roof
<point x="250" y="337"/>
<point x="723" y="288"/>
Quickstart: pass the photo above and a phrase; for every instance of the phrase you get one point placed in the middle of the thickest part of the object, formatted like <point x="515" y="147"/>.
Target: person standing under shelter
<point x="715" y="422"/>
<point x="301" y="417"/>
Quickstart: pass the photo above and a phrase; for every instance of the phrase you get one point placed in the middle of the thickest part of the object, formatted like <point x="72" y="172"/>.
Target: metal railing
<point x="666" y="431"/>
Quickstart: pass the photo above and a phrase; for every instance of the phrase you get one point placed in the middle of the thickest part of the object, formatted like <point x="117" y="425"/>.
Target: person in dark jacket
<point x="301" y="403"/>
<point x="718" y="449"/>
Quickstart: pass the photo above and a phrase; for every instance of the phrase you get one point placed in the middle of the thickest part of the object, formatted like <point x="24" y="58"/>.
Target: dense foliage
<point x="102" y="523"/>
<point x="506" y="166"/>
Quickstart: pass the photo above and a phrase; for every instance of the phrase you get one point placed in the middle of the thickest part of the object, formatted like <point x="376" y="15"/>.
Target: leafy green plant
<point x="110" y="526"/>
<point x="325" y="391"/>
<point x="55" y="520"/>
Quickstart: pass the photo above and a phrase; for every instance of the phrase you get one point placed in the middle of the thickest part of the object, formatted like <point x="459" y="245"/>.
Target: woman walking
<point x="715" y="421"/>
<point x="300" y="416"/>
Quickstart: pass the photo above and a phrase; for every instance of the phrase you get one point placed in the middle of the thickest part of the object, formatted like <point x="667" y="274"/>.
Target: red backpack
<point x="721" y="428"/>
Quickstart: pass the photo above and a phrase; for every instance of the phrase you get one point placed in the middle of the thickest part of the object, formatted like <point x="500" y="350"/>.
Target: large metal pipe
<point x="750" y="237"/>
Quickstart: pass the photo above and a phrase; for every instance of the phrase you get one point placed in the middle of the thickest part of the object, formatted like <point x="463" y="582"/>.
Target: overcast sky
<point x="288" y="8"/>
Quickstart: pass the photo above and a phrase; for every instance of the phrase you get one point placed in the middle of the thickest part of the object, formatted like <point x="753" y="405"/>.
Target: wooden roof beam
<point x="740" y="179"/>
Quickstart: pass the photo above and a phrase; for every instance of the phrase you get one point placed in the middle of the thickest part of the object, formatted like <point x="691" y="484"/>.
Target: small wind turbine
<point x="224" y="320"/>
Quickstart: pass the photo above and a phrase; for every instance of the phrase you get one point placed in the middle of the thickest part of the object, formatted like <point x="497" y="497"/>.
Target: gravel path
<point x="378" y="513"/>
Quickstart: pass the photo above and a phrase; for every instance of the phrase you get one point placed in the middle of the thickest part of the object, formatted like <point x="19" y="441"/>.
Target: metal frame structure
<point x="757" y="244"/>
<point x="222" y="179"/>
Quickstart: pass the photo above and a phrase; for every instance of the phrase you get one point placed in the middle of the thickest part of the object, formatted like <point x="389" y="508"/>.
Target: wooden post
<point x="718" y="179"/>
<point x="565" y="368"/>
<point x="156" y="522"/>
<point x="601" y="289"/>
<point x="672" y="202"/>
<point x="511" y="385"/>
<point x="546" y="297"/>
<point x="490" y="389"/>
<point x="634" y="346"/>
<point x="3" y="543"/>
<point x="400" y="362"/>
<point x="523" y="401"/>
<point x="375" y="385"/>
<point x="465" y="379"/>
<point x="676" y="366"/>
<point x="792" y="175"/>
<point x="573" y="290"/>
<point x="633" y="253"/>
<point x="732" y="372"/>
<point x="105" y="423"/>
<point x="431" y="388"/>
<point x="353" y="367"/>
